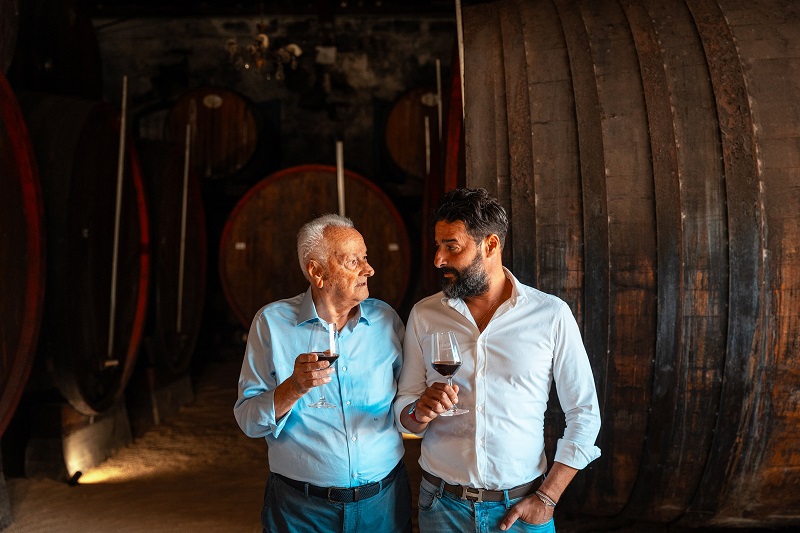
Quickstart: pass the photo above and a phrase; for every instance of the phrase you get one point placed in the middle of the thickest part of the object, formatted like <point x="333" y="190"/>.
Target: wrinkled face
<point x="347" y="267"/>
<point x="459" y="259"/>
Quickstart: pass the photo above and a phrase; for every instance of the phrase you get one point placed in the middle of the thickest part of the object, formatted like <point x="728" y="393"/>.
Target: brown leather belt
<point x="485" y="495"/>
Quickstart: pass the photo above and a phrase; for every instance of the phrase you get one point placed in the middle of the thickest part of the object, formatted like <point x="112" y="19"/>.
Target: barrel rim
<point x="33" y="209"/>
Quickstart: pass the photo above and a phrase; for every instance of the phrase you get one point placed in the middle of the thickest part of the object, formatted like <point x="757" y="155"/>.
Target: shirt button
<point x="355" y="475"/>
<point x="344" y="369"/>
<point x="480" y="408"/>
<point x="353" y="439"/>
<point x="347" y="402"/>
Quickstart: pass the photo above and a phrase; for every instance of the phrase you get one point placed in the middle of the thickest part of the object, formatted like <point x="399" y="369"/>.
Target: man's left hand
<point x="531" y="510"/>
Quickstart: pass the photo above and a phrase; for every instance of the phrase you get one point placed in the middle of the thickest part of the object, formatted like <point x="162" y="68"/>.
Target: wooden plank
<point x="596" y="318"/>
<point x="744" y="352"/>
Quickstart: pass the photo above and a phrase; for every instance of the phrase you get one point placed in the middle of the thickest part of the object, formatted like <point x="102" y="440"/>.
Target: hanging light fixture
<point x="258" y="56"/>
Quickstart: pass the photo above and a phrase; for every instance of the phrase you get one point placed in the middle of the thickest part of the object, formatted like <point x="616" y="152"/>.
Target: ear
<point x="492" y="243"/>
<point x="315" y="273"/>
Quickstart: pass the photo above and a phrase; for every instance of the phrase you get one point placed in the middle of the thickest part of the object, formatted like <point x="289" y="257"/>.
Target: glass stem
<point x="450" y="383"/>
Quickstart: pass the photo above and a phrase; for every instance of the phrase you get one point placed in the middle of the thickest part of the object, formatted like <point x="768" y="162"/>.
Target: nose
<point x="367" y="270"/>
<point x="438" y="258"/>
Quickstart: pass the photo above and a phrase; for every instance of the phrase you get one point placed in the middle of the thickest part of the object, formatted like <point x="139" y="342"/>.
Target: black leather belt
<point x="343" y="494"/>
<point x="485" y="495"/>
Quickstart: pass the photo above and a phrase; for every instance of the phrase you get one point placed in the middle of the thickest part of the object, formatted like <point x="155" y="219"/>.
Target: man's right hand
<point x="310" y="372"/>
<point x="436" y="399"/>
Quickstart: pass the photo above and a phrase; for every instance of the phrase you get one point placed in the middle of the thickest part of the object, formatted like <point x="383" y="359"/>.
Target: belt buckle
<point x="331" y="489"/>
<point x="468" y="493"/>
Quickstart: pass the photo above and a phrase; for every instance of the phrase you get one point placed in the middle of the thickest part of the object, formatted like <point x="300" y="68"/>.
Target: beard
<point x="471" y="281"/>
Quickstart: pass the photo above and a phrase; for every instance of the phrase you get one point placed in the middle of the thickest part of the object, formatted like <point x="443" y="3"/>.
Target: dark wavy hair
<point x="481" y="214"/>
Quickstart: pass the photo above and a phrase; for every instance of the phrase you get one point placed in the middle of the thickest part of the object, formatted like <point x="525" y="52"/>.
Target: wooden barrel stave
<point x="22" y="252"/>
<point x="762" y="367"/>
<point x="258" y="249"/>
<point x="692" y="326"/>
<point x="76" y="143"/>
<point x="696" y="384"/>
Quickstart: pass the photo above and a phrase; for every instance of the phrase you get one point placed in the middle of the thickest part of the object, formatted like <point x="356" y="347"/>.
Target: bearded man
<point x="486" y="469"/>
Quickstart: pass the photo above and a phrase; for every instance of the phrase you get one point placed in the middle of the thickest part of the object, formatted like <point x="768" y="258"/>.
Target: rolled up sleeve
<point x="576" y="393"/>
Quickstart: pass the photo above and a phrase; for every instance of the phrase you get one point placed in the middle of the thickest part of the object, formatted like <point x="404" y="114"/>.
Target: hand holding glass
<point x="323" y="344"/>
<point x="446" y="361"/>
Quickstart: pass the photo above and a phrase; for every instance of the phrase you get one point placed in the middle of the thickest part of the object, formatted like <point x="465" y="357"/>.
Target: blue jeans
<point x="442" y="512"/>
<point x="288" y="510"/>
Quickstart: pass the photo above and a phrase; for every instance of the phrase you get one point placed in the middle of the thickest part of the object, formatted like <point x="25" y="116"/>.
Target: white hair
<point x="310" y="241"/>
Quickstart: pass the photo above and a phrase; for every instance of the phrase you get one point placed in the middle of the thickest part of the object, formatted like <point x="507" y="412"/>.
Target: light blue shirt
<point x="353" y="444"/>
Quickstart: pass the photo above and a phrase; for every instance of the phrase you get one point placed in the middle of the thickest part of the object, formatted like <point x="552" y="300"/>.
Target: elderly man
<point x="338" y="468"/>
<point x="483" y="470"/>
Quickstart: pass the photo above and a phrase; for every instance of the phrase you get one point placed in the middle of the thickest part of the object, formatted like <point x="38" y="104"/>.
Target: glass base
<point x="454" y="412"/>
<point x="322" y="404"/>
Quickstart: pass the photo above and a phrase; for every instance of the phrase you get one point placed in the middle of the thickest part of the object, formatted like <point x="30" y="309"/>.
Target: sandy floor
<point x="197" y="472"/>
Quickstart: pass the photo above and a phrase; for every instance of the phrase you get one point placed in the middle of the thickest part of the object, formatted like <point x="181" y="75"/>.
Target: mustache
<point x="448" y="270"/>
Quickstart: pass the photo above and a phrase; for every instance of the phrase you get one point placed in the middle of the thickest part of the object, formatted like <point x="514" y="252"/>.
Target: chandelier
<point x="257" y="55"/>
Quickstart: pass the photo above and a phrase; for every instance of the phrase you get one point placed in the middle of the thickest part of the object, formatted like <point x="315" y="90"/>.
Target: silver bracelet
<point x="547" y="500"/>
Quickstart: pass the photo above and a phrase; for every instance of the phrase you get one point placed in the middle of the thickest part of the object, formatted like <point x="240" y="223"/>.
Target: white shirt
<point x="504" y="380"/>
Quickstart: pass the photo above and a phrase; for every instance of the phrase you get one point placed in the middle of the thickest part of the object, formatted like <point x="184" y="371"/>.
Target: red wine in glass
<point x="446" y="360"/>
<point x="324" y="344"/>
<point x="323" y="356"/>
<point x="447" y="368"/>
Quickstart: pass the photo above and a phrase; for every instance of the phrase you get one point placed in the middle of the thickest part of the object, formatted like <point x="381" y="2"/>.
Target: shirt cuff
<point x="400" y="405"/>
<point x="575" y="455"/>
<point x="276" y="426"/>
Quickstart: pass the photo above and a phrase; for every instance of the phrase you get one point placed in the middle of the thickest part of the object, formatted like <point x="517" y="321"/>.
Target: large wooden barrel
<point x="258" y="249"/>
<point x="9" y="20"/>
<point x="57" y="50"/>
<point x="224" y="130"/>
<point x="89" y="356"/>
<point x="178" y="237"/>
<point x="646" y="151"/>
<point x="21" y="254"/>
<point x="412" y="132"/>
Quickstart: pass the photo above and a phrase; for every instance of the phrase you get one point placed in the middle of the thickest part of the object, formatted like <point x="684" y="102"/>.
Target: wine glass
<point x="446" y="361"/>
<point x="323" y="344"/>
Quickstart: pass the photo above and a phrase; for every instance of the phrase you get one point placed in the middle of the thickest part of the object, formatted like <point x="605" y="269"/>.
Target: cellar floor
<point x="196" y="472"/>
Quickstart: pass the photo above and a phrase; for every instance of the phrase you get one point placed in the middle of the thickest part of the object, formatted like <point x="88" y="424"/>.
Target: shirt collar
<point x="308" y="311"/>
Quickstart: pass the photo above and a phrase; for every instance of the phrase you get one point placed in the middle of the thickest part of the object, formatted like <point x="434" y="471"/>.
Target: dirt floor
<point x="196" y="472"/>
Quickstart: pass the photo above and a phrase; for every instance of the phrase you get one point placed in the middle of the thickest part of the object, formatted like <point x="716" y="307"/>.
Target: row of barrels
<point x="647" y="153"/>
<point x="91" y="246"/>
<point x="96" y="279"/>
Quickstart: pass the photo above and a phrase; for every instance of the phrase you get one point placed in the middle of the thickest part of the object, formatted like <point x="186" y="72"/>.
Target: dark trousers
<point x="288" y="510"/>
